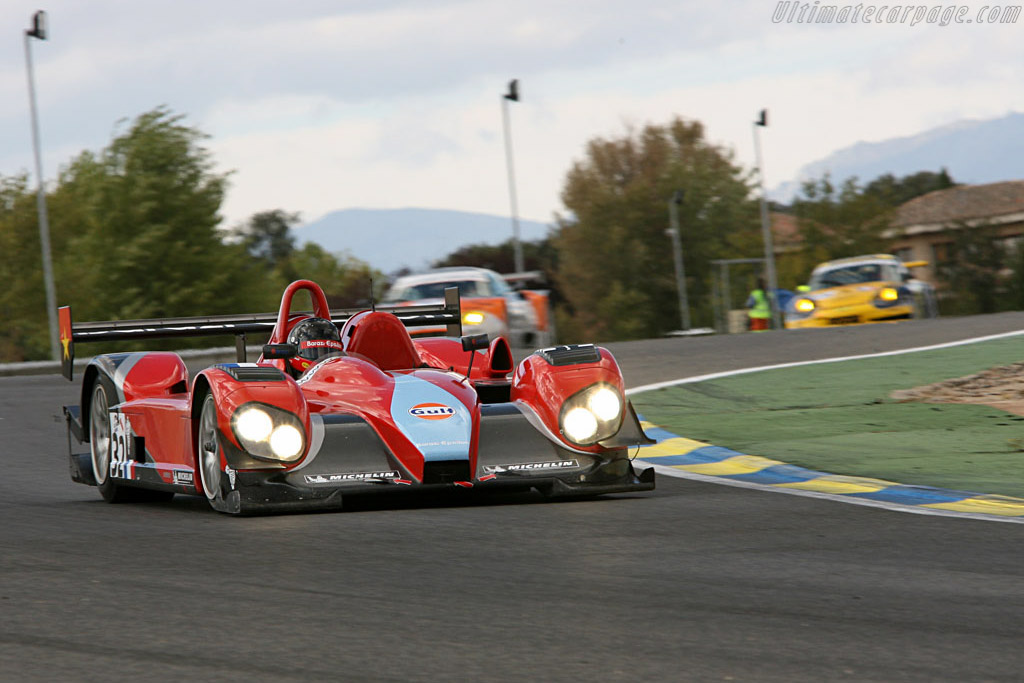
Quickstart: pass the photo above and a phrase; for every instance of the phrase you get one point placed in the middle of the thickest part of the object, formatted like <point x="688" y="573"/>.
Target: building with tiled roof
<point x="921" y="227"/>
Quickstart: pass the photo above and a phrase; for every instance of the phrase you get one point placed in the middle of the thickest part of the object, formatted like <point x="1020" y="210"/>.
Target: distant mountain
<point x="974" y="152"/>
<point x="390" y="239"/>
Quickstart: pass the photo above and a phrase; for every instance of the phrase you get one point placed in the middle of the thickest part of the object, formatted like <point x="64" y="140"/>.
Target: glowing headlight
<point x="268" y="432"/>
<point x="888" y="294"/>
<point x="286" y="442"/>
<point x="804" y="305"/>
<point x="580" y="425"/>
<point x="593" y="414"/>
<point x="605" y="404"/>
<point x="253" y="424"/>
<point x="473" y="318"/>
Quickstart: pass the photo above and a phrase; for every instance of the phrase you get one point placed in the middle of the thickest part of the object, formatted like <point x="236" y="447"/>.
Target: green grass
<point x="838" y="418"/>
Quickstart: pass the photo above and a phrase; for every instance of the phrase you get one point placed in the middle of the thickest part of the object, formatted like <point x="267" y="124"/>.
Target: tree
<point x="893" y="191"/>
<point x="346" y="280"/>
<point x="974" y="270"/>
<point x="615" y="262"/>
<point x="537" y="255"/>
<point x="267" y="235"/>
<point x="134" y="232"/>
<point x="848" y="220"/>
<point x="140" y="222"/>
<point x="841" y="221"/>
<point x="24" y="333"/>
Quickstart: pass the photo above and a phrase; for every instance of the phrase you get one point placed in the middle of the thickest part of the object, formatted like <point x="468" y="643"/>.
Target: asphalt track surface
<point x="693" y="582"/>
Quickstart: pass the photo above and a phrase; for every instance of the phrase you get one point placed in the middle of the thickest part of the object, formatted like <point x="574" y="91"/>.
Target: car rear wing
<point x="449" y="315"/>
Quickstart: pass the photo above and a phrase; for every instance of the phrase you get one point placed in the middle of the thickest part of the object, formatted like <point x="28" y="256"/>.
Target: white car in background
<point x="489" y="304"/>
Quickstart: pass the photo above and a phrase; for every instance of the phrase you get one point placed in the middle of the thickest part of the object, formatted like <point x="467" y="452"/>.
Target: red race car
<point x="343" y="404"/>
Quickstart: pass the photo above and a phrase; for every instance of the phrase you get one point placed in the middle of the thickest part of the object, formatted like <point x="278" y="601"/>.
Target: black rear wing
<point x="449" y="315"/>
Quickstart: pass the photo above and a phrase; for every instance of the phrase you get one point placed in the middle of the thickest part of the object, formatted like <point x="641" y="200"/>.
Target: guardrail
<point x="224" y="354"/>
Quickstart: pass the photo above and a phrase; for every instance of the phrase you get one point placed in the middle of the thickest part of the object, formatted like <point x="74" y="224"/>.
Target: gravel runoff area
<point x="1000" y="387"/>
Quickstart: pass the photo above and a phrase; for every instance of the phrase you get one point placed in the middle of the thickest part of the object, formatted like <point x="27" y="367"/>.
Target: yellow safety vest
<point x="760" y="309"/>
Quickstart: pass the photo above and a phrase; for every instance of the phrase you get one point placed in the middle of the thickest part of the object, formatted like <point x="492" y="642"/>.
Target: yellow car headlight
<point x="473" y="318"/>
<point x="804" y="306"/>
<point x="888" y="294"/>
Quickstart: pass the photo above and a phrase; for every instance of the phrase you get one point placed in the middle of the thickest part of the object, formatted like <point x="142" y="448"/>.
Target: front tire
<point x="211" y="474"/>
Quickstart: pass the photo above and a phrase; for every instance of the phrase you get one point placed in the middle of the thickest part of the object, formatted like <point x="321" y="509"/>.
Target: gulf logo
<point x="432" y="411"/>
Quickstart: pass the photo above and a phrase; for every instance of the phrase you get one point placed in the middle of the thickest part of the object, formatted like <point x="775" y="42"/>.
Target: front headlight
<point x="268" y="432"/>
<point x="804" y="306"/>
<point x="473" y="318"/>
<point x="887" y="296"/>
<point x="580" y="425"/>
<point x="590" y="415"/>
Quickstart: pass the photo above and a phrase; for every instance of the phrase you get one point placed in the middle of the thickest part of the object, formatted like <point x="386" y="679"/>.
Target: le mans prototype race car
<point x="326" y="413"/>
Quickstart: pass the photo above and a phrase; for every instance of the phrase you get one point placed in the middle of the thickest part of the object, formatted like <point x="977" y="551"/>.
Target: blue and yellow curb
<point x="697" y="457"/>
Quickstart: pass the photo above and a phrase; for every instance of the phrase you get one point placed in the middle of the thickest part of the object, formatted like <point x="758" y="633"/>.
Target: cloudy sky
<point x="318" y="105"/>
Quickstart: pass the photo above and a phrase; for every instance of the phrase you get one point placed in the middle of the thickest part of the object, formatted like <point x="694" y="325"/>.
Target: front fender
<point x="545" y="380"/>
<point x="231" y="388"/>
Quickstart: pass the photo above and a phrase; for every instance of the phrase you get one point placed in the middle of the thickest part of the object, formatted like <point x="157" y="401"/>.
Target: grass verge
<point x="838" y="418"/>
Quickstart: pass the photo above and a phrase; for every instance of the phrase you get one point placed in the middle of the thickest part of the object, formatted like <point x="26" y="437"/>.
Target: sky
<point x="319" y="105"/>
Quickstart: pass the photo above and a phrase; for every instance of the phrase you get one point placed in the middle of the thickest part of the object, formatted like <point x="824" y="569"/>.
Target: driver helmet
<point x="314" y="338"/>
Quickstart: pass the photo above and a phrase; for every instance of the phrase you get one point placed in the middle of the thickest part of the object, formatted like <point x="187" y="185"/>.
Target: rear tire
<point x="103" y="392"/>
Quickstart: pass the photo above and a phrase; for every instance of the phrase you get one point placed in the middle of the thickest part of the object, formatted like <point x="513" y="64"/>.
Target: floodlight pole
<point x="677" y="254"/>
<point x="766" y="230"/>
<point x="512" y="96"/>
<point x="38" y="31"/>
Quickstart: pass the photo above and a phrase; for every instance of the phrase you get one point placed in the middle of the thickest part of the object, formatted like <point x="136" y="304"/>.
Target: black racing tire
<point x="208" y="456"/>
<point x="103" y="394"/>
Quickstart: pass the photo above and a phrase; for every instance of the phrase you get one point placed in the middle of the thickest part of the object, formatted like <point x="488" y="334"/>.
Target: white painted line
<point x="744" y="371"/>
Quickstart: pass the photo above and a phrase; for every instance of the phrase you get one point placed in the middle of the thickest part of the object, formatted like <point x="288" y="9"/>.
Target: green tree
<point x="134" y="232"/>
<point x="841" y="221"/>
<point x="346" y="280"/>
<point x="974" y="271"/>
<point x="267" y="235"/>
<point x="140" y="222"/>
<point x="615" y="262"/>
<point x="893" y="191"/>
<point x="24" y="332"/>
<point x="537" y="255"/>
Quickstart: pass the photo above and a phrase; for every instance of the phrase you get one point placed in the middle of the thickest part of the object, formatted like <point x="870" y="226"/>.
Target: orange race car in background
<point x="490" y="305"/>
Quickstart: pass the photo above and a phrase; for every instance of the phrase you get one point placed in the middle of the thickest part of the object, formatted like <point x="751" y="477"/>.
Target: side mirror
<point x="273" y="351"/>
<point x="475" y="342"/>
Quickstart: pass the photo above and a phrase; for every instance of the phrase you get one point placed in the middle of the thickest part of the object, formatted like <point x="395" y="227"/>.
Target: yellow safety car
<point x="861" y="289"/>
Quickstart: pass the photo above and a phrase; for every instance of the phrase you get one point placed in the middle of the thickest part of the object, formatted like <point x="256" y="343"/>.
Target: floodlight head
<point x="513" y="90"/>
<point x="38" y="29"/>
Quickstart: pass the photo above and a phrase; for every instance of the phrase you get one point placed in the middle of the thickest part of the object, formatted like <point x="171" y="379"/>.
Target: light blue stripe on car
<point x="437" y="439"/>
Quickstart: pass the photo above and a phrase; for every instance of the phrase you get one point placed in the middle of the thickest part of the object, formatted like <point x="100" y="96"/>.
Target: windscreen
<point x="433" y="290"/>
<point x="852" y="274"/>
